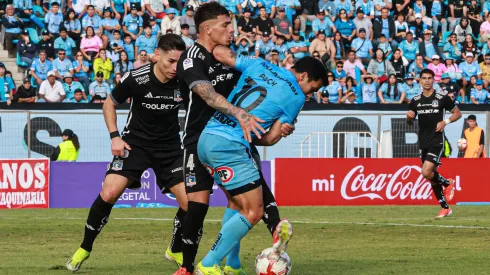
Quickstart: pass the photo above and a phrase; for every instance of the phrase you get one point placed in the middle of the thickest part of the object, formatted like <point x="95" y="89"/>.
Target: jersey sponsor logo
<point x="190" y="162"/>
<point x="209" y="169"/>
<point x="117" y="165"/>
<point x="149" y="95"/>
<point x="190" y="179"/>
<point x="188" y="63"/>
<point x="225" y="173"/>
<point x="428" y="111"/>
<point x="142" y="79"/>
<point x="160" y="106"/>
<point x="219" y="78"/>
<point x="177" y="96"/>
<point x="124" y="77"/>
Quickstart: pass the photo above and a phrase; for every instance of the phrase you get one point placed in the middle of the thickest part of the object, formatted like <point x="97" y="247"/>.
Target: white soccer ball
<point x="269" y="262"/>
<point x="462" y="144"/>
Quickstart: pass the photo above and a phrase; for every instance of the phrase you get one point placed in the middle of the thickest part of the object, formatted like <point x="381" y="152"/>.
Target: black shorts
<point x="166" y="163"/>
<point x="197" y="178"/>
<point x="432" y="154"/>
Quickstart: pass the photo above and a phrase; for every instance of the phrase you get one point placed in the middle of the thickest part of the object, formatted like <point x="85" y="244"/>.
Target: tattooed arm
<point x="248" y="122"/>
<point x="225" y="55"/>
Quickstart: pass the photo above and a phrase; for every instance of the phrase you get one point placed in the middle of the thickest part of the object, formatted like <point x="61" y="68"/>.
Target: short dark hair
<point x="313" y="67"/>
<point x="208" y="11"/>
<point x="427" y="71"/>
<point x="471" y="117"/>
<point x="171" y="41"/>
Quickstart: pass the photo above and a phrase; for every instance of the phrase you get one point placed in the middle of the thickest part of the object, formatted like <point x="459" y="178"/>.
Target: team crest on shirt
<point x="177" y="96"/>
<point x="188" y="63"/>
<point x="117" y="165"/>
<point x="225" y="173"/>
<point x="435" y="103"/>
<point x="190" y="179"/>
<point x="126" y="153"/>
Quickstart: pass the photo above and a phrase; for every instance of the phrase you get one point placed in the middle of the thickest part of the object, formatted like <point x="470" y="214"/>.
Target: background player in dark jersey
<point x="205" y="83"/>
<point x="430" y="106"/>
<point x="150" y="139"/>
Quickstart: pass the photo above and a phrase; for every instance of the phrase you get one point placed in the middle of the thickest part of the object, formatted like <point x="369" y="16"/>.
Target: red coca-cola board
<point x="301" y="182"/>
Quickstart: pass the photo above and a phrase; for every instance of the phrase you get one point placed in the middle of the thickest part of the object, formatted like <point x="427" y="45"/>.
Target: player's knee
<point x="254" y="215"/>
<point x="109" y="195"/>
<point x="427" y="173"/>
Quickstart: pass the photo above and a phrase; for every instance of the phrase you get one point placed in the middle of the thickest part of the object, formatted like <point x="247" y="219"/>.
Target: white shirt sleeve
<point x="42" y="88"/>
<point x="59" y="88"/>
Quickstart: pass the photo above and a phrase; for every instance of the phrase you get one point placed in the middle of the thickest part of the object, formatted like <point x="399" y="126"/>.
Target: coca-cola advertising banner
<point x="301" y="182"/>
<point x="24" y="183"/>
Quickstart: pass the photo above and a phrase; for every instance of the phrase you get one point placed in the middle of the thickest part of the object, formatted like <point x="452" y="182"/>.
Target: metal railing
<point x="340" y="145"/>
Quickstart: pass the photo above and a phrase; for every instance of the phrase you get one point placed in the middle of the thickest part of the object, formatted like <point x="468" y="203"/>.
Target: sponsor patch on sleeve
<point x="188" y="63"/>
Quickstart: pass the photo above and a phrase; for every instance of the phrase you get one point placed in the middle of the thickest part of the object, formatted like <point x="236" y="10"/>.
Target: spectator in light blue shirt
<point x="323" y="23"/>
<point x="81" y="68"/>
<point x="6" y="86"/>
<point x="363" y="47"/>
<point x="291" y="6"/>
<point x="367" y="7"/>
<point x="232" y="5"/>
<point x="391" y="91"/>
<point x="155" y="28"/>
<point x="12" y="25"/>
<point x="478" y="94"/>
<point x="77" y="97"/>
<point x="270" y="6"/>
<point x="263" y="46"/>
<point x="184" y="33"/>
<point x="40" y="68"/>
<point x="411" y="88"/>
<point x="64" y="42"/>
<point x="133" y="24"/>
<point x="380" y="4"/>
<point x="71" y="86"/>
<point x="54" y="19"/>
<point x="469" y="69"/>
<point x="72" y="25"/>
<point x="109" y="24"/>
<point x="62" y="65"/>
<point x="123" y="65"/>
<point x="334" y="89"/>
<point x="129" y="47"/>
<point x="146" y="42"/>
<point x="347" y="29"/>
<point x="417" y="66"/>
<point x="91" y="20"/>
<point x="409" y="47"/>
<point x="345" y="5"/>
<point x="296" y="47"/>
<point x="99" y="87"/>
<point x="24" y="8"/>
<point x="281" y="47"/>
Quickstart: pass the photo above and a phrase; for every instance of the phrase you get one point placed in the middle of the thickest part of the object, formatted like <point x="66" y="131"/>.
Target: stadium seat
<point x="19" y="62"/>
<point x="33" y="35"/>
<point x="15" y="41"/>
<point x="39" y="9"/>
<point x="443" y="41"/>
<point x="183" y="11"/>
<point x="33" y="82"/>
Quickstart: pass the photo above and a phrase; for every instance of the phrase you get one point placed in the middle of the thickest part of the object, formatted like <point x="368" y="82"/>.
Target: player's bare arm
<point x="273" y="136"/>
<point x="118" y="145"/>
<point x="456" y="114"/>
<point x="248" y="122"/>
<point x="225" y="55"/>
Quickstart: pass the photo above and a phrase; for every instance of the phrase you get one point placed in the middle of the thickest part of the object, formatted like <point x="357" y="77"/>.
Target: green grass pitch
<point x="327" y="240"/>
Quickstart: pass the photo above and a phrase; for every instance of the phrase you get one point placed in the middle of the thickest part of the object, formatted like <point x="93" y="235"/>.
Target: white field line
<point x="294" y="221"/>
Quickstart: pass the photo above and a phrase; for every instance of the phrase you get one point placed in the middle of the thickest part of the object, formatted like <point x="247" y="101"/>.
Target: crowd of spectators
<point x="374" y="49"/>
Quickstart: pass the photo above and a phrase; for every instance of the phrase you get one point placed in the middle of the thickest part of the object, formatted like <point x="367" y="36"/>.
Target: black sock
<point x="440" y="195"/>
<point x="271" y="214"/>
<point x="192" y="232"/>
<point x="176" y="244"/>
<point x="97" y="218"/>
<point x="440" y="179"/>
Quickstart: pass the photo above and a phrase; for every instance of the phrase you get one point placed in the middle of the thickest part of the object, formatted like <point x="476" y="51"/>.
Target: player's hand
<point x="250" y="124"/>
<point x="411" y="114"/>
<point x="440" y="126"/>
<point x="287" y="129"/>
<point x="118" y="146"/>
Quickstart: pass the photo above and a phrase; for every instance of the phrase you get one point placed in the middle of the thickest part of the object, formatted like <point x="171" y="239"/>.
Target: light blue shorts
<point x="230" y="163"/>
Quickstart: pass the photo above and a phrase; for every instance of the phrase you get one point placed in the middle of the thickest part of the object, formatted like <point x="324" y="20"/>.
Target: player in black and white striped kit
<point x="430" y="107"/>
<point x="150" y="139"/>
<point x="205" y="84"/>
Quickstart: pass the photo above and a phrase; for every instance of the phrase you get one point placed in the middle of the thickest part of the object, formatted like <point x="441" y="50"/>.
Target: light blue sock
<point x="233" y="258"/>
<point x="230" y="235"/>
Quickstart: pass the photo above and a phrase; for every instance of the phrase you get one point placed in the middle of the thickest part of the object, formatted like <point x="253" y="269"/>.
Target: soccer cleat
<point x="444" y="213"/>
<point x="77" y="260"/>
<point x="214" y="270"/>
<point x="449" y="190"/>
<point x="230" y="271"/>
<point x="182" y="271"/>
<point x="282" y="235"/>
<point x="176" y="257"/>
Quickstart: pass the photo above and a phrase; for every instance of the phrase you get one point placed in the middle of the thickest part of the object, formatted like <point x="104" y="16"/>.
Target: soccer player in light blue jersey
<point x="275" y="96"/>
